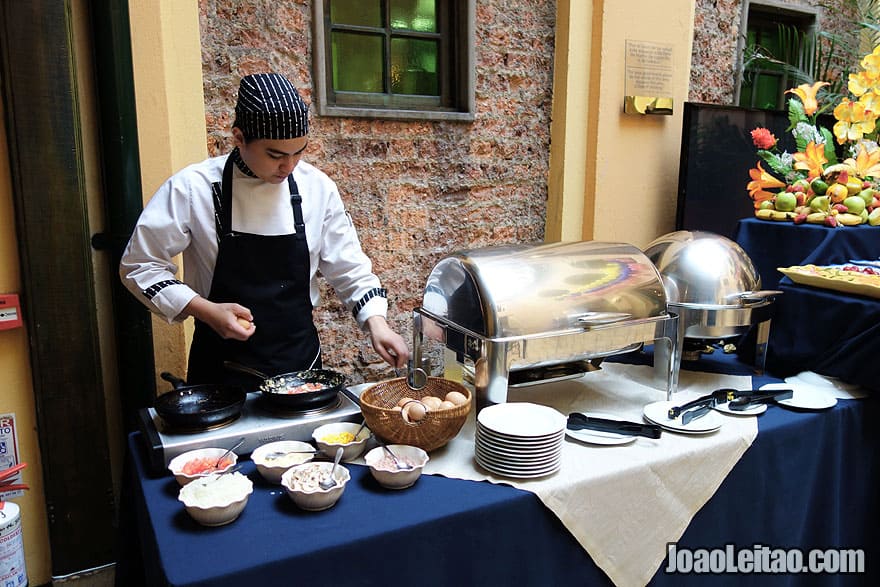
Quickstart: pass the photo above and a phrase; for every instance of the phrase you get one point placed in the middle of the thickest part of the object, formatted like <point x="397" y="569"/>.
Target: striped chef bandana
<point x="269" y="107"/>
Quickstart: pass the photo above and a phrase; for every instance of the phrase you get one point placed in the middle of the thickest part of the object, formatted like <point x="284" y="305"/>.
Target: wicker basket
<point x="436" y="429"/>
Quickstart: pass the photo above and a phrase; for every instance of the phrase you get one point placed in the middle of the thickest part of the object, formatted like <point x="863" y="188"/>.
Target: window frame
<point x="805" y="18"/>
<point x="461" y="70"/>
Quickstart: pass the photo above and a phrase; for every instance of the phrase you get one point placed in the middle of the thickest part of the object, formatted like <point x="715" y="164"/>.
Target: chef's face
<point x="272" y="160"/>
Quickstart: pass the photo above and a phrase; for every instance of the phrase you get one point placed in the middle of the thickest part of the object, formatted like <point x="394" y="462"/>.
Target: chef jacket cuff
<point x="377" y="306"/>
<point x="170" y="301"/>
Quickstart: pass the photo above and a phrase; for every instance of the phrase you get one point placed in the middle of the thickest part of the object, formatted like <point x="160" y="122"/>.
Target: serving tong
<point x="579" y="421"/>
<point x="736" y="400"/>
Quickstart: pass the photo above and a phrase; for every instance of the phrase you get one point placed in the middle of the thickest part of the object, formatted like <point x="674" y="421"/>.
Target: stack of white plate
<point x="519" y="439"/>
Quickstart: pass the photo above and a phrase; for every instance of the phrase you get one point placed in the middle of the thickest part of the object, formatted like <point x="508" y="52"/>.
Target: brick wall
<point x="416" y="190"/>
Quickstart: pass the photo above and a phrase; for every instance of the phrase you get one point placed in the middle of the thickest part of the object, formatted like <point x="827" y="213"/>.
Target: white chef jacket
<point x="179" y="218"/>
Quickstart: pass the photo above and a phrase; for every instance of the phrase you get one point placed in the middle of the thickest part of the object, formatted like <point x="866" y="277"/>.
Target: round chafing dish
<point x="711" y="283"/>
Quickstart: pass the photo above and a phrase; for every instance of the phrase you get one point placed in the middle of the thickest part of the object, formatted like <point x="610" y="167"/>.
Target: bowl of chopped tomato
<point x="200" y="462"/>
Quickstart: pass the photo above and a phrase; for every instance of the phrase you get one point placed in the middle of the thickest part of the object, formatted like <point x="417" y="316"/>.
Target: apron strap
<point x="299" y="224"/>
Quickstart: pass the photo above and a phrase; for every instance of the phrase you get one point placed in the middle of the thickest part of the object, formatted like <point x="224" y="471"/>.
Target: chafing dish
<point x="532" y="313"/>
<point x="714" y="288"/>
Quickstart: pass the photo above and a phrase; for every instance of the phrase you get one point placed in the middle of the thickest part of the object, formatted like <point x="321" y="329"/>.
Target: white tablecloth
<point x="622" y="503"/>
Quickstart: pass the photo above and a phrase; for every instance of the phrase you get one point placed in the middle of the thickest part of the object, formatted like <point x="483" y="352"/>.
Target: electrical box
<point x="10" y="312"/>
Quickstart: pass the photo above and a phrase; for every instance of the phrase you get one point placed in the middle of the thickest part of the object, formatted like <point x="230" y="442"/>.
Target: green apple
<point x="801" y="185"/>
<point x="786" y="201"/>
<point x="821" y="204"/>
<point x="766" y="205"/>
<point x="874" y="217"/>
<point x="854" y="205"/>
<point x="867" y="195"/>
<point x="819" y="186"/>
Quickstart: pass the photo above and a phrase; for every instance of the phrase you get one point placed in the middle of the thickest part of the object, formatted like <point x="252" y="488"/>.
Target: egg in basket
<point x="427" y="418"/>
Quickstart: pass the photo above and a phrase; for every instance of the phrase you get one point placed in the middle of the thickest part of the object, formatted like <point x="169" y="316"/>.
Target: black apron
<point x="269" y="275"/>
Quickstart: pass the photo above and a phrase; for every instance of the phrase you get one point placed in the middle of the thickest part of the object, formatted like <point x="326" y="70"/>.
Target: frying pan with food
<point x="198" y="406"/>
<point x="298" y="390"/>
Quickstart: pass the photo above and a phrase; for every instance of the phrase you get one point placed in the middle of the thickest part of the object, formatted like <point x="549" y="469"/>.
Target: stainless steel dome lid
<point x="706" y="270"/>
<point x="527" y="289"/>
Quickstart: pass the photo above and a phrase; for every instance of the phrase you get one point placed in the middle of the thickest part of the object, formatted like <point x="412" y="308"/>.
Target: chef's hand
<point x="229" y="320"/>
<point x="387" y="343"/>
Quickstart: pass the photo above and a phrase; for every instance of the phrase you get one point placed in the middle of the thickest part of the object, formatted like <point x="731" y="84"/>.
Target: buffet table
<point x="782" y="244"/>
<point x="815" y="329"/>
<point x="809" y="481"/>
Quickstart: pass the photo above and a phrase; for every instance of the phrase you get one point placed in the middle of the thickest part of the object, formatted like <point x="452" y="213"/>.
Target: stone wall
<point x="717" y="30"/>
<point x="416" y="190"/>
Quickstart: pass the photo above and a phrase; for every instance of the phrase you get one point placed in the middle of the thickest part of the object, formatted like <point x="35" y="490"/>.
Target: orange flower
<point x="812" y="160"/>
<point x="760" y="181"/>
<point x="807" y="94"/>
<point x="865" y="164"/>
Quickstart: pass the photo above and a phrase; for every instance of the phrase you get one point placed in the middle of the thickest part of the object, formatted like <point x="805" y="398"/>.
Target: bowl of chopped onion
<point x="386" y="471"/>
<point x="273" y="458"/>
<point x="329" y="437"/>
<point x="200" y="462"/>
<point x="216" y="499"/>
<point x="302" y="483"/>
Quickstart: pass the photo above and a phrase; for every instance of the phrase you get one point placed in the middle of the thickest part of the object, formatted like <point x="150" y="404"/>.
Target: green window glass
<point x="409" y="56"/>
<point x="414" y="67"/>
<point x="356" y="12"/>
<point x="357" y="62"/>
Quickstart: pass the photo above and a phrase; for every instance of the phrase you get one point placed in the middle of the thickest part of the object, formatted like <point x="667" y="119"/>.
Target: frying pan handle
<point x="245" y="369"/>
<point x="173" y="380"/>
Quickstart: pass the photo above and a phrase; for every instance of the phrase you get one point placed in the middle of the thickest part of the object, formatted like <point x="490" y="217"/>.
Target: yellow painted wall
<point x="629" y="163"/>
<point x="167" y="61"/>
<point x="17" y="393"/>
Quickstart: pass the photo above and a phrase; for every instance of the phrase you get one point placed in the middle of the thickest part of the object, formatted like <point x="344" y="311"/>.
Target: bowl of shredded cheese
<point x="329" y="437"/>
<point x="216" y="499"/>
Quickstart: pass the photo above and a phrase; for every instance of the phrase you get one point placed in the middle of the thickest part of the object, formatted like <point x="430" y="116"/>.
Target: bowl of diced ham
<point x="399" y="474"/>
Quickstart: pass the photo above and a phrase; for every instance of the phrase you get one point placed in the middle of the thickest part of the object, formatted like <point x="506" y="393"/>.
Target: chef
<point x="255" y="227"/>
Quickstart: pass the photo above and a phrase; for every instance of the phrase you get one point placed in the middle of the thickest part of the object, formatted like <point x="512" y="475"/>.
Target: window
<point x="405" y="59"/>
<point x="778" y="41"/>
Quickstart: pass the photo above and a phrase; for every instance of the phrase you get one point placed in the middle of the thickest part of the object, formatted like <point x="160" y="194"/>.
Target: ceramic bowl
<point x="271" y="467"/>
<point x="301" y="483"/>
<point x="387" y="474"/>
<point x="194" y="464"/>
<point x="215" y="500"/>
<point x="350" y="450"/>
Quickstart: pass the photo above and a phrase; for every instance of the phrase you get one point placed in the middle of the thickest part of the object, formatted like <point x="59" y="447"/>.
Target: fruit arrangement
<point x="831" y="199"/>
<point x="812" y="185"/>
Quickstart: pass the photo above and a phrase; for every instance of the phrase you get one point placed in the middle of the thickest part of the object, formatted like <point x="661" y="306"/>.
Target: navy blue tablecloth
<point x="808" y="481"/>
<point x="782" y="244"/>
<point x="814" y="329"/>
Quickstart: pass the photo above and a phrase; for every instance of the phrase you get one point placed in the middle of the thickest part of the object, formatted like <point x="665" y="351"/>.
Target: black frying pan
<point x="198" y="406"/>
<point x="276" y="389"/>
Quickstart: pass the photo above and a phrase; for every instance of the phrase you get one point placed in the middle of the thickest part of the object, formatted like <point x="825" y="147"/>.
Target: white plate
<point x="599" y="436"/>
<point x="752" y="411"/>
<point x="516" y="464"/>
<point x="491" y="447"/>
<point x="657" y="413"/>
<point x="804" y="398"/>
<point x="520" y="442"/>
<point x="506" y="472"/>
<point x="522" y="419"/>
<point x="501" y="454"/>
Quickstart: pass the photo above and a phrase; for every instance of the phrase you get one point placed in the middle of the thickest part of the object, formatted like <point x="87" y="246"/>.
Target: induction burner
<point x="257" y="425"/>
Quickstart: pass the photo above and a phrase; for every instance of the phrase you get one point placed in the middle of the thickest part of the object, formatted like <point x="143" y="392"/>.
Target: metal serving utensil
<point x="579" y="421"/>
<point x="401" y="466"/>
<point x="228" y="452"/>
<point x="330" y="482"/>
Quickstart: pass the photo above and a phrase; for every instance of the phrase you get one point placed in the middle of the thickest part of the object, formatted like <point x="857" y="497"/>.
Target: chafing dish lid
<point x="702" y="268"/>
<point x="518" y="290"/>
